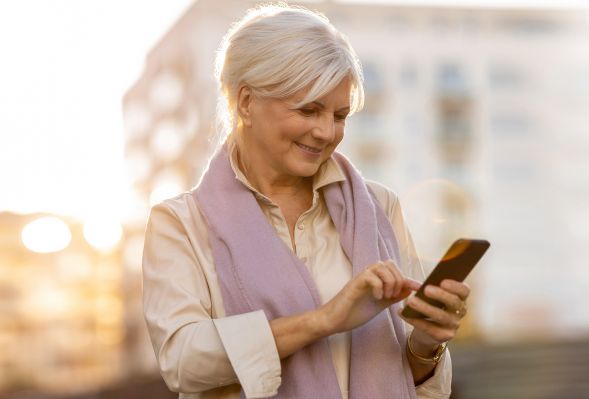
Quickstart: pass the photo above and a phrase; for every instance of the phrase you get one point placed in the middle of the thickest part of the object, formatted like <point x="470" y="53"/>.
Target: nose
<point x="324" y="130"/>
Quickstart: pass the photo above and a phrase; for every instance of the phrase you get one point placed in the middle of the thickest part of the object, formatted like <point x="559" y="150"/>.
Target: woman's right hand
<point x="367" y="294"/>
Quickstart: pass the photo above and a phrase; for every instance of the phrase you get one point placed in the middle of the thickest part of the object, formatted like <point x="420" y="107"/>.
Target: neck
<point x="267" y="180"/>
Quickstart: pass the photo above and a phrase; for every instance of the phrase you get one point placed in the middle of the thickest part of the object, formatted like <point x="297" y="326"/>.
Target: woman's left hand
<point x="441" y="324"/>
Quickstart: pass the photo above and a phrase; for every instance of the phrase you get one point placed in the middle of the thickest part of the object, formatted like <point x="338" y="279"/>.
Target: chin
<point x="305" y="170"/>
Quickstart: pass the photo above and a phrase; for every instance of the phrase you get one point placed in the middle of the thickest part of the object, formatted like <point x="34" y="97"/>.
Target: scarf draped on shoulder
<point x="257" y="270"/>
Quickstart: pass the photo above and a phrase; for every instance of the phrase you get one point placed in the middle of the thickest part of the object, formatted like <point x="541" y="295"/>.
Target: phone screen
<point x="456" y="264"/>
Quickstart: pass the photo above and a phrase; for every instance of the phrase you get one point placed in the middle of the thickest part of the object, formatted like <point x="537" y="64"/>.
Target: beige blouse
<point x="203" y="354"/>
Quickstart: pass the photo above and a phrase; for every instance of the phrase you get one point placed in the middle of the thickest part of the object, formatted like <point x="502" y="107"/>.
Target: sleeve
<point x="196" y="353"/>
<point x="438" y="386"/>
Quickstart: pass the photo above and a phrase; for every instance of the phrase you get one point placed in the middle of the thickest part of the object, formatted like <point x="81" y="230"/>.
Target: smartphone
<point x="459" y="260"/>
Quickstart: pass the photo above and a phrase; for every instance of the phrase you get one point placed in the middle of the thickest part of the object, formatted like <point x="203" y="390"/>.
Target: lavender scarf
<point x="257" y="270"/>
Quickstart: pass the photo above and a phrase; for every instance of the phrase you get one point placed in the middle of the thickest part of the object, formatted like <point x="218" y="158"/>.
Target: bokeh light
<point x="103" y="233"/>
<point x="46" y="302"/>
<point x="167" y="91"/>
<point x="167" y="184"/>
<point x="46" y="234"/>
<point x="139" y="163"/>
<point x="168" y="140"/>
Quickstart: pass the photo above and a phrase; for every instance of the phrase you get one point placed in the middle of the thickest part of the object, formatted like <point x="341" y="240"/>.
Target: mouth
<point x="308" y="149"/>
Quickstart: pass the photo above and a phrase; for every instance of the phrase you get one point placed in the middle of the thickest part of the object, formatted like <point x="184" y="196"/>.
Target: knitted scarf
<point x="256" y="270"/>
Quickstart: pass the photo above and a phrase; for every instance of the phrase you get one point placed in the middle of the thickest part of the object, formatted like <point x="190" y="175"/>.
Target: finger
<point x="375" y="283"/>
<point x="405" y="292"/>
<point x="456" y="287"/>
<point x="451" y="301"/>
<point x="438" y="333"/>
<point x="434" y="313"/>
<point x="411" y="284"/>
<point x="397" y="275"/>
<point x="387" y="278"/>
<point x="408" y="286"/>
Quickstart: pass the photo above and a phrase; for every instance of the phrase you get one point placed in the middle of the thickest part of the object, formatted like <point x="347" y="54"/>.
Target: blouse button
<point x="301" y="226"/>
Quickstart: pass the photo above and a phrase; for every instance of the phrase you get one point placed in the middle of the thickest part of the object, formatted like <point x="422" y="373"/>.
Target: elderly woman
<point x="282" y="273"/>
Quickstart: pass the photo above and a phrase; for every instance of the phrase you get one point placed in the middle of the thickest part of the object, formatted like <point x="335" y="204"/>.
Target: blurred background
<point x="477" y="115"/>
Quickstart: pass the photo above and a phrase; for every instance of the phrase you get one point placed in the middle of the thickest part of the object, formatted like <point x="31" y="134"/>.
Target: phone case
<point x="456" y="264"/>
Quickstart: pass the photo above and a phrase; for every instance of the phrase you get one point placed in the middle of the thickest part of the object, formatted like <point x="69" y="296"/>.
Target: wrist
<point x="425" y="352"/>
<point x="422" y="344"/>
<point x="318" y="323"/>
<point x="420" y="348"/>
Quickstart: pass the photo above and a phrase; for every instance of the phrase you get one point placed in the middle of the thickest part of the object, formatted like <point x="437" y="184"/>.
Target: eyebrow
<point x="320" y="104"/>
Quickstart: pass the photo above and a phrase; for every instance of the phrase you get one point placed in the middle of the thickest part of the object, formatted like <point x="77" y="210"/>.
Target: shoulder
<point x="176" y="226"/>
<point x="180" y="210"/>
<point x="173" y="207"/>
<point x="386" y="197"/>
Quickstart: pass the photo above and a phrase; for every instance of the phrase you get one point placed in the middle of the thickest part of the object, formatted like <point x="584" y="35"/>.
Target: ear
<point x="245" y="99"/>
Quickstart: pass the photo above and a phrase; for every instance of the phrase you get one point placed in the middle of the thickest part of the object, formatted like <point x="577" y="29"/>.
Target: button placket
<point x="300" y="240"/>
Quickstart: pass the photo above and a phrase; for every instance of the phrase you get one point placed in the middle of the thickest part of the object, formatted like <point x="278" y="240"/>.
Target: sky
<point x="65" y="67"/>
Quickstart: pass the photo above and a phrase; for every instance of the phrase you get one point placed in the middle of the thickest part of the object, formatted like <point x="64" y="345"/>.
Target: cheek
<point x="292" y="128"/>
<point x="339" y="136"/>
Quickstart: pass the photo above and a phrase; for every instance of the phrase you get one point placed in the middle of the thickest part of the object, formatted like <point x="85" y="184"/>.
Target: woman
<point x="283" y="272"/>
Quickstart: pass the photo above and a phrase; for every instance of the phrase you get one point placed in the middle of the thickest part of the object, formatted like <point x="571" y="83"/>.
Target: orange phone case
<point x="459" y="260"/>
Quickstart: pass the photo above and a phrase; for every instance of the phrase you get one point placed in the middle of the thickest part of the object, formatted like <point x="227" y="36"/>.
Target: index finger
<point x="411" y="284"/>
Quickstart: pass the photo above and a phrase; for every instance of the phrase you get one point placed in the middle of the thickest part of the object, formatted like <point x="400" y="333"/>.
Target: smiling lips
<point x="311" y="150"/>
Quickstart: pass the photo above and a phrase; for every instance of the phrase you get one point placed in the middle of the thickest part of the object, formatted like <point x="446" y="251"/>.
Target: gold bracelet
<point x="437" y="355"/>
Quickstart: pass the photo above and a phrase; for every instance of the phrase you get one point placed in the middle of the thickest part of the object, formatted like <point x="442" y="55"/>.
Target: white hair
<point x="278" y="50"/>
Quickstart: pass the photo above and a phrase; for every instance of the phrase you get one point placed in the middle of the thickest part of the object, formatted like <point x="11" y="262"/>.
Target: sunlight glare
<point x="46" y="234"/>
<point x="103" y="233"/>
<point x="164" y="190"/>
<point x="72" y="78"/>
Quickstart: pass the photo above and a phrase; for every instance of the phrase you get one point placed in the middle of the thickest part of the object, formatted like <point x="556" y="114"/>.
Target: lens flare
<point x="437" y="211"/>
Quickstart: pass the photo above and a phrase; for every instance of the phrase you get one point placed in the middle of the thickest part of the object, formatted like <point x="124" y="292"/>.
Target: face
<point x="293" y="142"/>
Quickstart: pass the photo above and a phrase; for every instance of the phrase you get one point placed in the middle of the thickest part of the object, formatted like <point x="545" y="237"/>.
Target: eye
<point x="307" y="111"/>
<point x="340" y="117"/>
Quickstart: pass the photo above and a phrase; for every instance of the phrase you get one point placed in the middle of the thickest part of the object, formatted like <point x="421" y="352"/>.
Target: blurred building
<point x="475" y="117"/>
<point x="62" y="324"/>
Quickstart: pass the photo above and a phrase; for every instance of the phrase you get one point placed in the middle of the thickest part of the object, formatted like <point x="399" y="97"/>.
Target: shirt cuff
<point x="250" y="346"/>
<point x="439" y="385"/>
